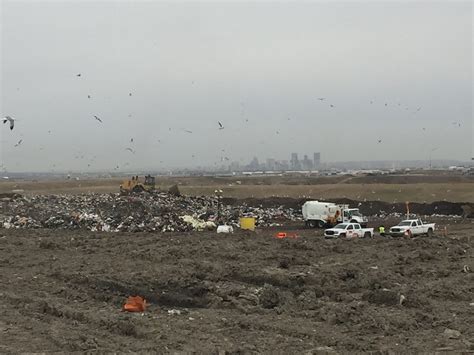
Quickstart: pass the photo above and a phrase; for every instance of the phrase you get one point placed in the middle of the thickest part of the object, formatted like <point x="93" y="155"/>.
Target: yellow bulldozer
<point x="136" y="184"/>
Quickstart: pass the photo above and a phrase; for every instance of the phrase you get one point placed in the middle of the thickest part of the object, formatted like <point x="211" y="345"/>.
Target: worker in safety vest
<point x="382" y="230"/>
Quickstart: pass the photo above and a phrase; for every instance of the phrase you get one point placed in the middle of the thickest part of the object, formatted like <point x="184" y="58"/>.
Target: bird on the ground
<point x="97" y="118"/>
<point x="130" y="150"/>
<point x="220" y="125"/>
<point x="11" y="120"/>
<point x="19" y="142"/>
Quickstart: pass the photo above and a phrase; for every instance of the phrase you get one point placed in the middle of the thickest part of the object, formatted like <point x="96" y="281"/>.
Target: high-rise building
<point x="294" y="162"/>
<point x="316" y="160"/>
<point x="307" y="163"/>
<point x="254" y="165"/>
<point x="270" y="164"/>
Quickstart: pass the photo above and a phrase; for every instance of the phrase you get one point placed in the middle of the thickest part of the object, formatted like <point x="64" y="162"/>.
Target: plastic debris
<point x="225" y="229"/>
<point x="153" y="212"/>
<point x="135" y="304"/>
<point x="452" y="333"/>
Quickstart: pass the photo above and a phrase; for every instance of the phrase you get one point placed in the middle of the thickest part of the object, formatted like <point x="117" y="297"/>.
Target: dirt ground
<point x="63" y="291"/>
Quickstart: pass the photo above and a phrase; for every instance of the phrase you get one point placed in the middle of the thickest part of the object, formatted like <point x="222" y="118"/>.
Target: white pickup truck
<point x="412" y="227"/>
<point x="349" y="230"/>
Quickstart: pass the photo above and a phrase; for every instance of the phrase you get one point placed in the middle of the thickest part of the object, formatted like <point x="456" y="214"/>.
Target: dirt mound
<point x="368" y="208"/>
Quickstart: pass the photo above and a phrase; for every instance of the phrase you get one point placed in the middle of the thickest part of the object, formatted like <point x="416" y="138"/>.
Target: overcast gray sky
<point x="256" y="67"/>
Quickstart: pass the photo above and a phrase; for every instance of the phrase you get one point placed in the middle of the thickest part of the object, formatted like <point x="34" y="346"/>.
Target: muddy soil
<point x="246" y="292"/>
<point x="368" y="208"/>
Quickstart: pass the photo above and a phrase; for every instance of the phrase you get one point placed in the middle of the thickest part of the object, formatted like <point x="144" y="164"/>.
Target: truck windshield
<point x="340" y="226"/>
<point x="404" y="223"/>
<point x="355" y="213"/>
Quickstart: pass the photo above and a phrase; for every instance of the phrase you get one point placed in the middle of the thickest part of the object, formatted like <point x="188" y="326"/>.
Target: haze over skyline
<point x="397" y="74"/>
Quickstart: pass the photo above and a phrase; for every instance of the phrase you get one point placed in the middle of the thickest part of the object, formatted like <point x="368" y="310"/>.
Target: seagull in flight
<point x="321" y="98"/>
<point x="78" y="75"/>
<point x="187" y="131"/>
<point x="380" y="141"/>
<point x="131" y="140"/>
<point x="97" y="118"/>
<point x="130" y="150"/>
<point x="331" y="105"/>
<point x="19" y="142"/>
<point x="11" y="120"/>
<point x="220" y="125"/>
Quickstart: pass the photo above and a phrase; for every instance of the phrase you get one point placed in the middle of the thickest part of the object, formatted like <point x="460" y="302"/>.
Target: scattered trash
<point x="198" y="224"/>
<point x="174" y="312"/>
<point x="135" y="304"/>
<point x="225" y="229"/>
<point x="452" y="333"/>
<point x="151" y="212"/>
<point x="466" y="269"/>
<point x="374" y="267"/>
<point x="402" y="299"/>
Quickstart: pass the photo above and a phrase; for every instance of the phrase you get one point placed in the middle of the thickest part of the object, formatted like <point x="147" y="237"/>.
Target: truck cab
<point x="353" y="215"/>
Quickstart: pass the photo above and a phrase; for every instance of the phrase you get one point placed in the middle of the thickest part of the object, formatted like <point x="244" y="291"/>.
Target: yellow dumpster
<point x="247" y="223"/>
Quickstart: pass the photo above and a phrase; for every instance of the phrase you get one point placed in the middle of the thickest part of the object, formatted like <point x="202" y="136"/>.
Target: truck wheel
<point x="321" y="224"/>
<point x="342" y="235"/>
<point x="312" y="224"/>
<point x="430" y="232"/>
<point x="367" y="235"/>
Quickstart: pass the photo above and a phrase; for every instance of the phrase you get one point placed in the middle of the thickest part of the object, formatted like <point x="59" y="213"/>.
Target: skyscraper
<point x="294" y="162"/>
<point x="316" y="160"/>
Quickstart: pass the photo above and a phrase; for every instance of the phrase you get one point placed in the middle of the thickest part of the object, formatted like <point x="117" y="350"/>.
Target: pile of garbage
<point x="158" y="211"/>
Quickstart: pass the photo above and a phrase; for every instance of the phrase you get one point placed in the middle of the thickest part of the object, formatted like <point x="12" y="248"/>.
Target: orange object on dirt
<point x="135" y="304"/>
<point x="282" y="235"/>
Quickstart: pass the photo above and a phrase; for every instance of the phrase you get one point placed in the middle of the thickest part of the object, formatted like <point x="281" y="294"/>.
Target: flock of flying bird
<point x="12" y="121"/>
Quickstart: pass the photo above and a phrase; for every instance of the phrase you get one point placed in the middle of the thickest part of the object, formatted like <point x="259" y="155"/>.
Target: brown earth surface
<point x="63" y="291"/>
<point x="391" y="188"/>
